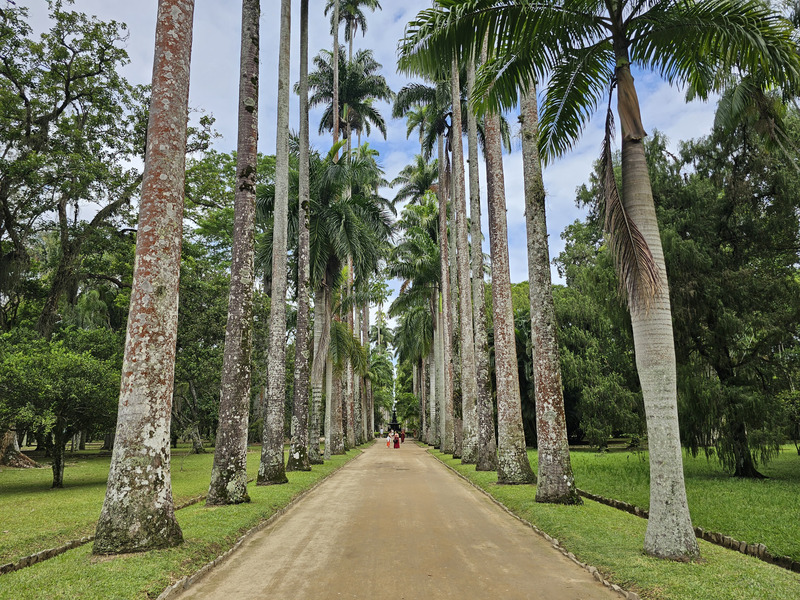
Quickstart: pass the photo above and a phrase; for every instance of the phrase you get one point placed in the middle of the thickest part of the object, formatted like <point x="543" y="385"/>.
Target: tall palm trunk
<point x="445" y="413"/>
<point x="669" y="527"/>
<point x="229" y="473"/>
<point x="556" y="482"/>
<point x="272" y="470"/>
<point x="322" y="338"/>
<point x="432" y="397"/>
<point x="358" y="424"/>
<point x="349" y="397"/>
<point x="512" y="464"/>
<point x="486" y="451"/>
<point x="469" y="391"/>
<point x="335" y="60"/>
<point x="138" y="512"/>
<point x="368" y="429"/>
<point x="299" y="449"/>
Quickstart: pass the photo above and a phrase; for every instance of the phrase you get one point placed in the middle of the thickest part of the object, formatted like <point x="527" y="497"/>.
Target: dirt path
<point x="397" y="524"/>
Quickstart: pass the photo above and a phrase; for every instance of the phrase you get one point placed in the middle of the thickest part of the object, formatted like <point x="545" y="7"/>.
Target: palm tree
<point x="229" y="472"/>
<point x="586" y="49"/>
<point x="299" y="459"/>
<point x="469" y="389"/>
<point x="360" y="86"/>
<point x="415" y="180"/>
<point x="271" y="470"/>
<point x="138" y="512"/>
<point x="352" y="16"/>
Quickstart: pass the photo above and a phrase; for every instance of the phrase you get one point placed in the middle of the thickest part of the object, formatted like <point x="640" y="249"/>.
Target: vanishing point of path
<point x="397" y="524"/>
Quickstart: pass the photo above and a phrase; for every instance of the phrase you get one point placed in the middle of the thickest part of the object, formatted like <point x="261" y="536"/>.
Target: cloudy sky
<point x="215" y="63"/>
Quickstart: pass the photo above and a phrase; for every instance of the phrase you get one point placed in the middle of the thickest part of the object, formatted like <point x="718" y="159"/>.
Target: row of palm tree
<point x="584" y="50"/>
<point x="325" y="210"/>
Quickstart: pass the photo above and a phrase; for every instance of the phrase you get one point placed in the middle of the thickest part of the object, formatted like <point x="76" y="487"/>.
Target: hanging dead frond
<point x="639" y="281"/>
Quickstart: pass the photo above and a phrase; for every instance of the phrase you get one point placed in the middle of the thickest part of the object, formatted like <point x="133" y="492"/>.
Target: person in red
<point x="403" y="436"/>
<point x="396" y="440"/>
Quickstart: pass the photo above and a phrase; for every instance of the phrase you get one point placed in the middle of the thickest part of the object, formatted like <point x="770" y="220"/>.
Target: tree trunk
<point x="82" y="440"/>
<point x="349" y="397"/>
<point x="229" y="472"/>
<point x="322" y="337"/>
<point x="669" y="527"/>
<point x="368" y="428"/>
<point x="335" y="65"/>
<point x="423" y="421"/>
<point x="469" y="391"/>
<point x="10" y="453"/>
<point x="512" y="464"/>
<point x="487" y="444"/>
<point x="299" y="450"/>
<point x="197" y="440"/>
<point x="446" y="333"/>
<point x="271" y="470"/>
<point x="430" y="437"/>
<point x="556" y="483"/>
<point x="108" y="441"/>
<point x="60" y="438"/>
<point x="138" y="512"/>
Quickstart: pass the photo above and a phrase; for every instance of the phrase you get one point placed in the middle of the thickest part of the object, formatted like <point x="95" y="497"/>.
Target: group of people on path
<point x="395" y="438"/>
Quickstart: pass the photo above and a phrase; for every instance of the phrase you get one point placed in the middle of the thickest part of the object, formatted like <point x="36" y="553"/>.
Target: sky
<point x="214" y="90"/>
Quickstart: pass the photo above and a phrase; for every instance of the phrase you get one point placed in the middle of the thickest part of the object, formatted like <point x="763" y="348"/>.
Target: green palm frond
<point x="576" y="87"/>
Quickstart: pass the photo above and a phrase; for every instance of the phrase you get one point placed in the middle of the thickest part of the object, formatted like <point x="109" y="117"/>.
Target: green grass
<point x="33" y="515"/>
<point x="755" y="511"/>
<point x="611" y="540"/>
<point x="71" y="512"/>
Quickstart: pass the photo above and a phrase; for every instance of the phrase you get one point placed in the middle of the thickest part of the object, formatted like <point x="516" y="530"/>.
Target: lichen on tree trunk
<point x="229" y="472"/>
<point x="556" y="483"/>
<point x="138" y="512"/>
<point x="512" y="460"/>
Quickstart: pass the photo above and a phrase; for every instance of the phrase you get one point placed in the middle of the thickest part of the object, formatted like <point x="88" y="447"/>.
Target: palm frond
<point x="638" y="273"/>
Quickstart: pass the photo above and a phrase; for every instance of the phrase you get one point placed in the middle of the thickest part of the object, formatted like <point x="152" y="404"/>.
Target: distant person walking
<point x="403" y="436"/>
<point x="389" y="440"/>
<point x="396" y="440"/>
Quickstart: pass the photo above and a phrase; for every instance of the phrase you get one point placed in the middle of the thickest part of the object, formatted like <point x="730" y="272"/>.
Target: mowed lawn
<point x="33" y="516"/>
<point x="765" y="511"/>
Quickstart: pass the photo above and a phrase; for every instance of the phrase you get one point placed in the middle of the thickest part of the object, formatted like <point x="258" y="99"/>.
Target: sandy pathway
<point x="397" y="524"/>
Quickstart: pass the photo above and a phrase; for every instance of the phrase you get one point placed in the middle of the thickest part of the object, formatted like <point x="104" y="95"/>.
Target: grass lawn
<point x="763" y="511"/>
<point x="611" y="540"/>
<point x="35" y="517"/>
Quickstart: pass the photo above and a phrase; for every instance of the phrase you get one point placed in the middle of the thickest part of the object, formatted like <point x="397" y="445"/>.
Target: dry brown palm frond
<point x="639" y="280"/>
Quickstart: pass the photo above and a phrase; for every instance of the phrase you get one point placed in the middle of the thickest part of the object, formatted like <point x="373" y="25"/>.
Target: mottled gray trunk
<point x="430" y="431"/>
<point x="486" y="455"/>
<point x="512" y="463"/>
<point x="298" y="459"/>
<point x="349" y="387"/>
<point x="469" y="391"/>
<point x="322" y="337"/>
<point x="556" y="483"/>
<point x="423" y="421"/>
<point x="338" y="437"/>
<point x="358" y="424"/>
<point x="669" y="527"/>
<point x="271" y="470"/>
<point x="436" y="411"/>
<point x="335" y="60"/>
<point x="229" y="472"/>
<point x="60" y="439"/>
<point x="368" y="428"/>
<point x="138" y="512"/>
<point x="445" y="412"/>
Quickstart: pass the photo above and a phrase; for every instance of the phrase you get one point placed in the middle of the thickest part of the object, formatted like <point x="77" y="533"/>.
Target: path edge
<point x="185" y="582"/>
<point x="628" y="595"/>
